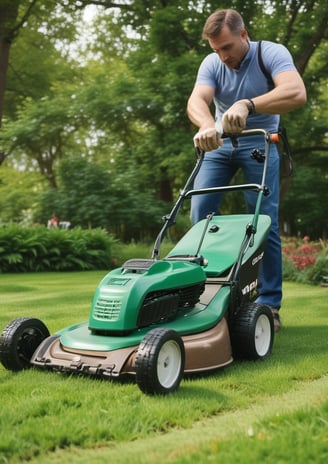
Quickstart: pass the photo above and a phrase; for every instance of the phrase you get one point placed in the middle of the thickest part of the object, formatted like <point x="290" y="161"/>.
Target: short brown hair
<point x="221" y="18"/>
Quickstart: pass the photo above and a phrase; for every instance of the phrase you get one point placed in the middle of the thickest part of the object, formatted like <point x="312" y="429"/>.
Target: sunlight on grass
<point x="298" y="437"/>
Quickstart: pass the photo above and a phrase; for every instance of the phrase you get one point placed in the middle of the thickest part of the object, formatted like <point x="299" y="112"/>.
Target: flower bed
<point x="305" y="261"/>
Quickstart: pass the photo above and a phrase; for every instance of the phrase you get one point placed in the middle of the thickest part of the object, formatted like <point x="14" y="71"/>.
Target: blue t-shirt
<point x="246" y="82"/>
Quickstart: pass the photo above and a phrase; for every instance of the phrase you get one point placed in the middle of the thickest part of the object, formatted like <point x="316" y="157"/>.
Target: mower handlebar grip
<point x="248" y="132"/>
<point x="269" y="137"/>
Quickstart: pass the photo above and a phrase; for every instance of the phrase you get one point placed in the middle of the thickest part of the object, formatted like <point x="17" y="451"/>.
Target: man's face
<point x="230" y="47"/>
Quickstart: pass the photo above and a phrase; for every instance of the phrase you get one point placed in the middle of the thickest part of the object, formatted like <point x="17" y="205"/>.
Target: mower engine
<point x="144" y="292"/>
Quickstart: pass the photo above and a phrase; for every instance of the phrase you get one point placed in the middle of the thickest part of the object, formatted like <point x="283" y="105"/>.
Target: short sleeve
<point x="276" y="58"/>
<point x="207" y="72"/>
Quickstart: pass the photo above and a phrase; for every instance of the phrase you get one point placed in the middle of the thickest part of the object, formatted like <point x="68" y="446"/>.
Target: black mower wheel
<point x="18" y="341"/>
<point x="252" y="332"/>
<point x="160" y="362"/>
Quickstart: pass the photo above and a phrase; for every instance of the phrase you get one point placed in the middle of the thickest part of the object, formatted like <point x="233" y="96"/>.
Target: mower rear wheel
<point x="252" y="332"/>
<point x="18" y="341"/>
<point x="160" y="362"/>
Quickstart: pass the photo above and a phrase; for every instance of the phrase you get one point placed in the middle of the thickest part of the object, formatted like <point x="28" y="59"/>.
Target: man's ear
<point x="244" y="33"/>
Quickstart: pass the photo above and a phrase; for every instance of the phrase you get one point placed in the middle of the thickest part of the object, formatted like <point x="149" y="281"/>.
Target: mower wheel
<point x="160" y="362"/>
<point x="252" y="332"/>
<point x="18" y="341"/>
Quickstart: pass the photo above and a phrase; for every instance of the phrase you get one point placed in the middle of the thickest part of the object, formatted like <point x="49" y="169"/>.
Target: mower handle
<point x="170" y="218"/>
<point x="272" y="137"/>
<point x="269" y="137"/>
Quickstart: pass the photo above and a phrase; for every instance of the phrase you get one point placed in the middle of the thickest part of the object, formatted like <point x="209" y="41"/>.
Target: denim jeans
<point x="218" y="168"/>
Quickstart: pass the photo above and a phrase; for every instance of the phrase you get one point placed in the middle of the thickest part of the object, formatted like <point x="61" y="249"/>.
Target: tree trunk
<point x="8" y="15"/>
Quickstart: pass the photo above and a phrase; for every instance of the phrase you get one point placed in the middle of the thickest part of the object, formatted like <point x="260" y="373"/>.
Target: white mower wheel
<point x="160" y="362"/>
<point x="252" y="332"/>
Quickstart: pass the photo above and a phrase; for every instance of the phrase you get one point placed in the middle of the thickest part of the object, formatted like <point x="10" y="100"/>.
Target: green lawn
<point x="275" y="411"/>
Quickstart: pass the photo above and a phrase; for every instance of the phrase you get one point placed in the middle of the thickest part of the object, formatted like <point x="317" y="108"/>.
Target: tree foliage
<point x="90" y="197"/>
<point x="117" y="93"/>
<point x="308" y="188"/>
<point x="19" y="192"/>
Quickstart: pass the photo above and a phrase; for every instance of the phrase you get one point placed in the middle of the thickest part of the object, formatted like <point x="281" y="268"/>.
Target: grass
<point x="274" y="411"/>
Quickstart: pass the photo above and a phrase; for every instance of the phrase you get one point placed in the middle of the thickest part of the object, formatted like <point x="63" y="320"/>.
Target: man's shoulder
<point x="212" y="59"/>
<point x="268" y="45"/>
<point x="275" y="57"/>
<point x="211" y="63"/>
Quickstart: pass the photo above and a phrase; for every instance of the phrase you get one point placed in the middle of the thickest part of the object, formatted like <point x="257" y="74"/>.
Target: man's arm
<point x="199" y="113"/>
<point x="198" y="107"/>
<point x="288" y="94"/>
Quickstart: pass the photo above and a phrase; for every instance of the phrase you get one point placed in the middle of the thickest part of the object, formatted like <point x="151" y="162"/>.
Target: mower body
<point x="174" y="293"/>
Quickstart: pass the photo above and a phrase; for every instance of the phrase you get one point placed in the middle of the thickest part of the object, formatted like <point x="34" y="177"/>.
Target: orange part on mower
<point x="274" y="138"/>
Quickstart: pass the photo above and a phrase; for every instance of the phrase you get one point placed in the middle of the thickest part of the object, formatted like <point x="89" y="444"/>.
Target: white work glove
<point x="208" y="139"/>
<point x="234" y="119"/>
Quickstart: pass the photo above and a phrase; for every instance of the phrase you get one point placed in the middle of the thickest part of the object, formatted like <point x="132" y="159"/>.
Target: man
<point x="234" y="80"/>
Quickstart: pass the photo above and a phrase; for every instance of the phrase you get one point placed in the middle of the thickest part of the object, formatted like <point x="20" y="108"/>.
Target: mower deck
<point x="204" y="351"/>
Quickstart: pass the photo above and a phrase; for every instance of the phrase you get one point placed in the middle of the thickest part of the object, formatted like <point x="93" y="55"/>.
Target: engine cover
<point x="132" y="297"/>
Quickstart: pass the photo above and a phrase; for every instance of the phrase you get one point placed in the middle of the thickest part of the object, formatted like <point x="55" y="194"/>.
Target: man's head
<point x="221" y="18"/>
<point x="227" y="36"/>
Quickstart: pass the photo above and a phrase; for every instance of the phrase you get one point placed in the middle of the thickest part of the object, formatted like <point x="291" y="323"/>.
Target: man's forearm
<point x="199" y="113"/>
<point x="285" y="97"/>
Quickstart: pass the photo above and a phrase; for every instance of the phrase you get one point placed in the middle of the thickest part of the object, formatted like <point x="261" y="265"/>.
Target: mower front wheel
<point x="18" y="341"/>
<point x="252" y="332"/>
<point x="160" y="362"/>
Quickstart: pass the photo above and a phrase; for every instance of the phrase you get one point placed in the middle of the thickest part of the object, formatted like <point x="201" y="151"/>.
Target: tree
<point x="40" y="123"/>
<point x="43" y="132"/>
<point x="89" y="196"/>
<point x="310" y="189"/>
<point x="8" y="31"/>
<point x="51" y="20"/>
<point x="19" y="193"/>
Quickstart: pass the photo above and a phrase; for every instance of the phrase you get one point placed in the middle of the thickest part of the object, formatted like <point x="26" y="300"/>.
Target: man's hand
<point x="208" y="139"/>
<point x="234" y="119"/>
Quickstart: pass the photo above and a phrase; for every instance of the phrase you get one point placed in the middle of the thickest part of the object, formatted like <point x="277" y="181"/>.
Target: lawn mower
<point x="156" y="319"/>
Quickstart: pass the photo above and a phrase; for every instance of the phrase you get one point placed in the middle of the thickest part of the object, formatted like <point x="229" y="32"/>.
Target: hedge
<point x="38" y="249"/>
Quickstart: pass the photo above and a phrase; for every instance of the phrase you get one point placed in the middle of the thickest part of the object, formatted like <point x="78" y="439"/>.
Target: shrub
<point x="37" y="249"/>
<point x="318" y="273"/>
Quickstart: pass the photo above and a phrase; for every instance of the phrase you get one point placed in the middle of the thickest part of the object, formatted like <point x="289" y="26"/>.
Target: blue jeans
<point x="218" y="168"/>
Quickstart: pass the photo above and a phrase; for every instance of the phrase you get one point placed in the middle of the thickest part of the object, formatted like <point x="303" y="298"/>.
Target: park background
<point x="94" y="130"/>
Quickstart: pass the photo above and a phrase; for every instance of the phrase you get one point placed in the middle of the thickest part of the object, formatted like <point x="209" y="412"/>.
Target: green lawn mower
<point x="159" y="318"/>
